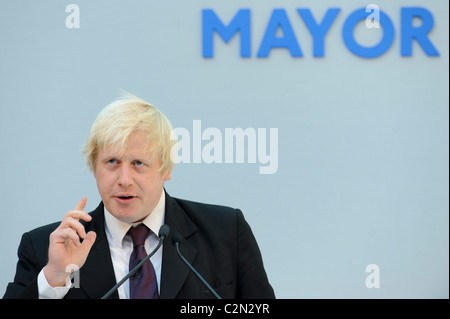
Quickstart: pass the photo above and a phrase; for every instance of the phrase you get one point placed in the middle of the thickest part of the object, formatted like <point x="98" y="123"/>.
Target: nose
<point x="125" y="178"/>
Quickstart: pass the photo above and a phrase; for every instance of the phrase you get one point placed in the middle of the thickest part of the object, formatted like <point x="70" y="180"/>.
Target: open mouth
<point x="126" y="197"/>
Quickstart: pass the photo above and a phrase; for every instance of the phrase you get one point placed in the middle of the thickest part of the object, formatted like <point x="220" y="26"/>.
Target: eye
<point x="139" y="163"/>
<point x="112" y="161"/>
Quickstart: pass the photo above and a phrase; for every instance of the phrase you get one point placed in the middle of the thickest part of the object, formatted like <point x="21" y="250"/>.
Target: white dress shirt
<point x="121" y="247"/>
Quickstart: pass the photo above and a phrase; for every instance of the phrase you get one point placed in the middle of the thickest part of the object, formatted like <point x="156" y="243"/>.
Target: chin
<point x="126" y="215"/>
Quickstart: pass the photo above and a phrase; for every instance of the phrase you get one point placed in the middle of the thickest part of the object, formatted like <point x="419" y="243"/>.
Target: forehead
<point x="136" y="145"/>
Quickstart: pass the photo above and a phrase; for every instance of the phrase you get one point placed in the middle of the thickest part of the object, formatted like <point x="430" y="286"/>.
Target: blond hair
<point x="116" y="122"/>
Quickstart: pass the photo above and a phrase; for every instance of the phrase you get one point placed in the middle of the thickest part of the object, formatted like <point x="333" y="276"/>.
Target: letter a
<point x="73" y="19"/>
<point x="373" y="280"/>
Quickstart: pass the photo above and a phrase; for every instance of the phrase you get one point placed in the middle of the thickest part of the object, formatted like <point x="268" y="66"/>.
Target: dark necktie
<point x="143" y="284"/>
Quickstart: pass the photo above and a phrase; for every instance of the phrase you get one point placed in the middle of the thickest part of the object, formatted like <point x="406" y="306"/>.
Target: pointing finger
<point x="81" y="204"/>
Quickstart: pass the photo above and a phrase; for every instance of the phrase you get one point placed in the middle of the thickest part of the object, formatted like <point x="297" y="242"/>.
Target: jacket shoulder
<point x="211" y="212"/>
<point x="39" y="237"/>
<point x="43" y="231"/>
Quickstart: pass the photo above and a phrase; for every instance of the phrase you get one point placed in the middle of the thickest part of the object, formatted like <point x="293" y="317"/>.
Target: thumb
<point x="88" y="241"/>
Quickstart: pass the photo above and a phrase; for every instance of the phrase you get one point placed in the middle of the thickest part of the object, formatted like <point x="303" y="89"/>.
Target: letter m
<point x="211" y="23"/>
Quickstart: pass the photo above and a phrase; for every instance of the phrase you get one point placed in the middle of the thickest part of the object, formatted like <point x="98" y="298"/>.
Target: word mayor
<point x="229" y="308"/>
<point x="230" y="147"/>
<point x="318" y="27"/>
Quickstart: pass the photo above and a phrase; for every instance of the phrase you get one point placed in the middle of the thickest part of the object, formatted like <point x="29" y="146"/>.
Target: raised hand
<point x="65" y="247"/>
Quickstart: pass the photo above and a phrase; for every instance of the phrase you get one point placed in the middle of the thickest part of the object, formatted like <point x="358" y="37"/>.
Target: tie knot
<point x="139" y="234"/>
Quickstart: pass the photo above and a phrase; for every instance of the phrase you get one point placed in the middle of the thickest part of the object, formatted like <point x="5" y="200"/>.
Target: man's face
<point x="129" y="183"/>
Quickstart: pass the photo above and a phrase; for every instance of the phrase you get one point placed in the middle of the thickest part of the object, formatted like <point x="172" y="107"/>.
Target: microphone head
<point x="176" y="238"/>
<point x="164" y="231"/>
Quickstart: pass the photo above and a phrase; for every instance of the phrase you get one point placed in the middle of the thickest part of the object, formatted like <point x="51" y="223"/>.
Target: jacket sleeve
<point x="25" y="281"/>
<point x="252" y="278"/>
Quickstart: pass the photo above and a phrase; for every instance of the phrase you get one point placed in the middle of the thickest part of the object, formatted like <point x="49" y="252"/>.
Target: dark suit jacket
<point x="216" y="240"/>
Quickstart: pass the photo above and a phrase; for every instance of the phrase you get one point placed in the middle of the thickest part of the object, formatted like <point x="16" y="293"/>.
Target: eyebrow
<point x="131" y="158"/>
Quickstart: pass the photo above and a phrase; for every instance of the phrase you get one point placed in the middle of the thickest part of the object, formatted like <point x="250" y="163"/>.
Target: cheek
<point x="104" y="181"/>
<point x="152" y="184"/>
<point x="99" y="184"/>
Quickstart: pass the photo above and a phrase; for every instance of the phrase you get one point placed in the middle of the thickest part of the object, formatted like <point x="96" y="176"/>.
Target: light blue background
<point x="363" y="175"/>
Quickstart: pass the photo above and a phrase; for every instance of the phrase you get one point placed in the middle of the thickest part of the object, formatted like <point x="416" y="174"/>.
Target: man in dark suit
<point x="129" y="152"/>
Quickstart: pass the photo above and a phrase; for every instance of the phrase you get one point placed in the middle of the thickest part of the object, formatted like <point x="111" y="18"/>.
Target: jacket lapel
<point x="174" y="271"/>
<point x="97" y="274"/>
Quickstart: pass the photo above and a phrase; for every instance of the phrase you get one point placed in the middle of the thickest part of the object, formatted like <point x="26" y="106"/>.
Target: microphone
<point x="176" y="241"/>
<point x="163" y="233"/>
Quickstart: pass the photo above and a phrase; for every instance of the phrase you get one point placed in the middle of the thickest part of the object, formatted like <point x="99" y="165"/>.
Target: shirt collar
<point x="118" y="229"/>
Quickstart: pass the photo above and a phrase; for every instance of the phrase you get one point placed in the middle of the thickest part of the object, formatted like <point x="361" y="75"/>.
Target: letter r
<point x="409" y="32"/>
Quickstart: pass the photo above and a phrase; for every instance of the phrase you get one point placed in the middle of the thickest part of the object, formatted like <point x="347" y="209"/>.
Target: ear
<point x="167" y="177"/>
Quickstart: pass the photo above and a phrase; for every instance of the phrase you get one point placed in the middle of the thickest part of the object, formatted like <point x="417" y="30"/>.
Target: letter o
<point x="362" y="51"/>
